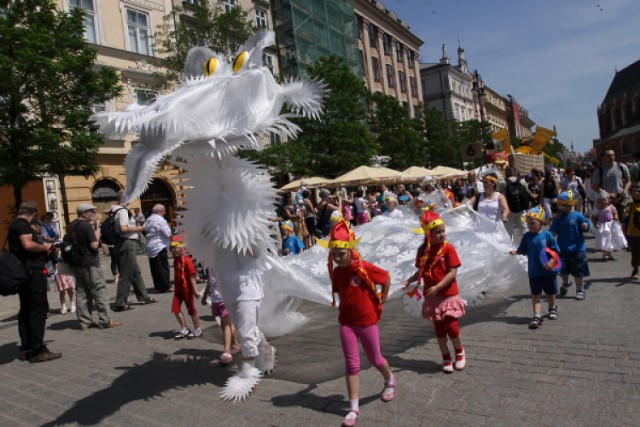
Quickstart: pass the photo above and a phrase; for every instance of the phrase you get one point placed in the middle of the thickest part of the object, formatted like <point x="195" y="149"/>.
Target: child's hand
<point x="198" y="295"/>
<point x="431" y="291"/>
<point x="405" y="283"/>
<point x="513" y="252"/>
<point x="549" y="265"/>
<point x="383" y="299"/>
<point x="585" y="226"/>
<point x="204" y="300"/>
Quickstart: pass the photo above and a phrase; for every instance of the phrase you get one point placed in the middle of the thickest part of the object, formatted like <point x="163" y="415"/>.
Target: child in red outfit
<point x="437" y="263"/>
<point x="360" y="308"/>
<point x="184" y="290"/>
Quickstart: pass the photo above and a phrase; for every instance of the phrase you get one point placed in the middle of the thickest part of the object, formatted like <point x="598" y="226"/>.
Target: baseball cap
<point x="83" y="207"/>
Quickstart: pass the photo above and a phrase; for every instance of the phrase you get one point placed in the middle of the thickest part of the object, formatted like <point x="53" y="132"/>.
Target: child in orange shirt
<point x="437" y="262"/>
<point x="185" y="290"/>
<point x="360" y="308"/>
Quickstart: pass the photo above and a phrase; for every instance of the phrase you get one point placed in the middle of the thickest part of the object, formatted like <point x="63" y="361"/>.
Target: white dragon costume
<point x="218" y="109"/>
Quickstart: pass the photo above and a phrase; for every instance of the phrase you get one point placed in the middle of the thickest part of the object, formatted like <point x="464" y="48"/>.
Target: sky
<point x="556" y="57"/>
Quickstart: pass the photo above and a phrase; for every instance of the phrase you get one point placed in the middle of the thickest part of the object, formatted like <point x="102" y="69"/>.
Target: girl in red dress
<point x="437" y="263"/>
<point x="360" y="308"/>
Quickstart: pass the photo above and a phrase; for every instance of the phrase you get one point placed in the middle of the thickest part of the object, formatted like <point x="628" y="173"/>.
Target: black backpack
<point x="517" y="196"/>
<point x="71" y="251"/>
<point x="109" y="229"/>
<point x="12" y="273"/>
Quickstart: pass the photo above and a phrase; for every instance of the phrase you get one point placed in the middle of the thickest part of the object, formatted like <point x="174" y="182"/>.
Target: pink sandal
<point x="351" y="419"/>
<point x="226" y="358"/>
<point x="387" y="396"/>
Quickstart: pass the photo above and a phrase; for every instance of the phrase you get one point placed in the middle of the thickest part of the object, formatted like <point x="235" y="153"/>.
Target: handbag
<point x="12" y="273"/>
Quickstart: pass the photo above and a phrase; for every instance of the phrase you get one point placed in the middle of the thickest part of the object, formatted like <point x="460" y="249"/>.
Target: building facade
<point x="619" y="115"/>
<point x="449" y="88"/>
<point x="389" y="54"/>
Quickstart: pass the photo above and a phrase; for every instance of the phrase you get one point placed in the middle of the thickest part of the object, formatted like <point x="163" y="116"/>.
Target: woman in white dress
<point x="491" y="203"/>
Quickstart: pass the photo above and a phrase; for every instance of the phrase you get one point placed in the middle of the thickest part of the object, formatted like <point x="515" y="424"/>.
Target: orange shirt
<point x="359" y="306"/>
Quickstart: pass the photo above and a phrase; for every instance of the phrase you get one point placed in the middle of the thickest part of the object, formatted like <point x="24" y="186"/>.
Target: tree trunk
<point x="17" y="196"/>
<point x="64" y="202"/>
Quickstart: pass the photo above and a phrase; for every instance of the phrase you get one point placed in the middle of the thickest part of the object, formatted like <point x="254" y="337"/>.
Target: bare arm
<point x="446" y="281"/>
<point x="26" y="240"/>
<point x="385" y="289"/>
<point x="504" y="207"/>
<point x="411" y="279"/>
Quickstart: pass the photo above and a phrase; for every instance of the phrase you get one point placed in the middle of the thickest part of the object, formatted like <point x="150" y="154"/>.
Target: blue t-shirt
<point x="567" y="227"/>
<point x="531" y="246"/>
<point x="293" y="244"/>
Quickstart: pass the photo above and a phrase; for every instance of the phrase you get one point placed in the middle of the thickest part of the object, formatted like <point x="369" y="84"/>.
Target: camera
<point x="63" y="246"/>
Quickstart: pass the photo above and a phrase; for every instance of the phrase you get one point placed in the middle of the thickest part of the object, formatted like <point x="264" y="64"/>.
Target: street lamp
<point x="478" y="88"/>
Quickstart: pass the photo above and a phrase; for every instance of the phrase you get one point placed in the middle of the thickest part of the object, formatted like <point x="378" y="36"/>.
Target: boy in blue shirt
<point x="569" y="227"/>
<point x="542" y="277"/>
<point x="291" y="244"/>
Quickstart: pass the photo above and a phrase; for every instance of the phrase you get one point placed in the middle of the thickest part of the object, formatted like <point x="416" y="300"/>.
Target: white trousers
<point x="245" y="315"/>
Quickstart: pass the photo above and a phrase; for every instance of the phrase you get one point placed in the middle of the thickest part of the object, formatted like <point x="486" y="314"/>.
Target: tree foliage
<point x="48" y="83"/>
<point x="398" y="136"/>
<point x="441" y="145"/>
<point x="198" y="25"/>
<point x="340" y="140"/>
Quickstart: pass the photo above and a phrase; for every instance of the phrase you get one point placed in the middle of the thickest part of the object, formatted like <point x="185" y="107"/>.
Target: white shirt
<point x="490" y="207"/>
<point x="122" y="217"/>
<point x="158" y="235"/>
<point x="396" y="214"/>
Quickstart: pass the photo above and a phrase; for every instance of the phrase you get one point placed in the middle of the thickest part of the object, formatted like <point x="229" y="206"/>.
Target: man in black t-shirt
<point x="25" y="245"/>
<point x="91" y="288"/>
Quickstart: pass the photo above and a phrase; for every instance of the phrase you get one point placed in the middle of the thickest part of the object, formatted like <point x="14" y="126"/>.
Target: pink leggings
<point x="370" y="339"/>
<point x="448" y="326"/>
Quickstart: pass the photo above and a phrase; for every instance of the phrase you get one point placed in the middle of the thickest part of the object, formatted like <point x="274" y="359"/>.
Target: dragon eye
<point x="210" y="66"/>
<point x="239" y="61"/>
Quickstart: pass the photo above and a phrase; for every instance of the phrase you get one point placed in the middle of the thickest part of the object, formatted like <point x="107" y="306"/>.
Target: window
<point x="90" y="23"/>
<point x="412" y="58"/>
<point x="399" y="52"/>
<point x="138" y="29"/>
<point x="268" y="61"/>
<point x="414" y="88"/>
<point x="363" y="62"/>
<point x="262" y="21"/>
<point x="386" y="44"/>
<point x="229" y="5"/>
<point x="376" y="68"/>
<point x="360" y="24"/>
<point x="194" y="2"/>
<point x="403" y="83"/>
<point x="145" y="97"/>
<point x="373" y="35"/>
<point x="99" y="108"/>
<point x="275" y="138"/>
<point x="390" y="75"/>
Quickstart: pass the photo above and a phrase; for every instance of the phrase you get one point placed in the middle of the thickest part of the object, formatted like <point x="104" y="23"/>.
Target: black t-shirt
<point x="86" y="236"/>
<point x="31" y="260"/>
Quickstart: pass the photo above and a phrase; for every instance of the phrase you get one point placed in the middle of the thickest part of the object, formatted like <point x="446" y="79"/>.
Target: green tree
<point x="340" y="140"/>
<point x="441" y="146"/>
<point x="198" y="25"/>
<point x="398" y="136"/>
<point x="48" y="82"/>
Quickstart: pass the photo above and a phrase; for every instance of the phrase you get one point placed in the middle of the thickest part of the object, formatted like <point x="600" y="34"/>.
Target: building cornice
<point x="368" y="8"/>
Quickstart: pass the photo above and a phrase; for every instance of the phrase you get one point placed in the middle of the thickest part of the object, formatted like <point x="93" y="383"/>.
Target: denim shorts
<point x="548" y="284"/>
<point x="574" y="263"/>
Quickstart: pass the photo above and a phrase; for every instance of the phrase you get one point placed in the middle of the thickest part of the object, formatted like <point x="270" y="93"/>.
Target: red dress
<point x="446" y="303"/>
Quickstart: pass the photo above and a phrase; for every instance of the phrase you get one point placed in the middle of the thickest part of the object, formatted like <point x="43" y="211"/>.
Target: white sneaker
<point x="73" y="308"/>
<point x="63" y="310"/>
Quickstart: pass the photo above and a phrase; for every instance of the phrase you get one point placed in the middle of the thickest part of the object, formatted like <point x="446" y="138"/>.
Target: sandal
<point x="389" y="394"/>
<point x="351" y="419"/>
<point x="125" y="307"/>
<point x="180" y="335"/>
<point x="147" y="300"/>
<point x="535" y="323"/>
<point x="226" y="358"/>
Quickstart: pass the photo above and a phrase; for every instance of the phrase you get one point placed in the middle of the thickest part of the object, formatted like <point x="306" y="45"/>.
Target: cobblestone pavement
<point x="580" y="370"/>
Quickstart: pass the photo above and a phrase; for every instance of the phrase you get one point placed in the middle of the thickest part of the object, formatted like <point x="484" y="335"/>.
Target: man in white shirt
<point x="158" y="240"/>
<point x="127" y="247"/>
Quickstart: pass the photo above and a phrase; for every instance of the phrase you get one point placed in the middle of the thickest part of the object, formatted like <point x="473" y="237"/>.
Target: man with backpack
<point x="515" y="191"/>
<point x="91" y="288"/>
<point x="614" y="178"/>
<point x="127" y="248"/>
<point x="32" y="253"/>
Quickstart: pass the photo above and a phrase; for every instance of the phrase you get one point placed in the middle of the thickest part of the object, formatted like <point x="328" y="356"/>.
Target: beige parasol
<point x="447" y="172"/>
<point x="366" y="175"/>
<point x="416" y="173"/>
<point x="312" y="182"/>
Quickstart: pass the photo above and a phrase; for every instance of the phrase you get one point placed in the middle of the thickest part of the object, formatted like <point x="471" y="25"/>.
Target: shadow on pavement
<point x="619" y="281"/>
<point x="335" y="403"/>
<point x="9" y="352"/>
<point x="10" y="319"/>
<point x="142" y="382"/>
<point x="64" y="324"/>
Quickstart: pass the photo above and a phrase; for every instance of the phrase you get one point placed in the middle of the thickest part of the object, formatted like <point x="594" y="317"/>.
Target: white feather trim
<point x="239" y="386"/>
<point x="266" y="360"/>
